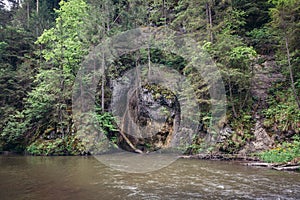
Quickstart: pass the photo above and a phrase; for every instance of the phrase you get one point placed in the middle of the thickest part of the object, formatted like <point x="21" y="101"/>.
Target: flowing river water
<point x="72" y="178"/>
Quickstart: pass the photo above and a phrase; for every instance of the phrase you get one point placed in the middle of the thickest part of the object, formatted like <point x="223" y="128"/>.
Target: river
<point x="72" y="178"/>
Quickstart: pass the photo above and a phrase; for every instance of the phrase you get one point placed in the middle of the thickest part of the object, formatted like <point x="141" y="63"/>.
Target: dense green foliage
<point x="285" y="152"/>
<point x="43" y="43"/>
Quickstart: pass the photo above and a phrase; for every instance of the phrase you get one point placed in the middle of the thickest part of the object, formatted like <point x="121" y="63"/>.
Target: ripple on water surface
<point x="75" y="178"/>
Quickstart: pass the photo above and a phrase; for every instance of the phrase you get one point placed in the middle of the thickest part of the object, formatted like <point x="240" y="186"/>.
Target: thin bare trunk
<point x="107" y="18"/>
<point x="28" y="14"/>
<point x="164" y="13"/>
<point x="245" y="99"/>
<point x="209" y="21"/>
<point x="149" y="62"/>
<point x="61" y="99"/>
<point x="284" y="26"/>
<point x="102" y="83"/>
<point x="37" y="13"/>
<point x="82" y="96"/>
<point x="231" y="99"/>
<point x="137" y="71"/>
<point x="210" y="24"/>
<point x="37" y="6"/>
<point x="291" y="72"/>
<point x="137" y="85"/>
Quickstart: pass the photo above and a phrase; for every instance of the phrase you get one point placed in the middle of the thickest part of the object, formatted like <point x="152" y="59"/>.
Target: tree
<point x="47" y="106"/>
<point x="35" y="16"/>
<point x="285" y="19"/>
<point x="257" y="12"/>
<point x="64" y="50"/>
<point x="16" y="70"/>
<point x="191" y="17"/>
<point x="234" y="59"/>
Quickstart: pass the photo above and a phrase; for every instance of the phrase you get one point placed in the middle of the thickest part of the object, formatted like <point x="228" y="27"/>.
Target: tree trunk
<point x="291" y="72"/>
<point x="164" y="13"/>
<point x="210" y="24"/>
<point x="231" y="99"/>
<point x="149" y="62"/>
<point x="209" y="21"/>
<point x="102" y="83"/>
<point x="28" y="14"/>
<point x="284" y="26"/>
<point x="61" y="100"/>
<point x="107" y="17"/>
<point x="37" y="13"/>
<point x="37" y="7"/>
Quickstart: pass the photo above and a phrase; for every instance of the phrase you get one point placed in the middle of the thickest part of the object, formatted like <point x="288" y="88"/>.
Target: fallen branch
<point x="287" y="168"/>
<point x="259" y="164"/>
<point x="129" y="143"/>
<point x="276" y="166"/>
<point x="136" y="150"/>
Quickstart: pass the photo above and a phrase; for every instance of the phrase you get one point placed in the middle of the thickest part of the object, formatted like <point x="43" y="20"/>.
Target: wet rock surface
<point x="261" y="142"/>
<point x="264" y="76"/>
<point x="151" y="119"/>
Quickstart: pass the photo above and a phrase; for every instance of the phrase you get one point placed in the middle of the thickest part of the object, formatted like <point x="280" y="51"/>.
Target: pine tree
<point x="285" y="19"/>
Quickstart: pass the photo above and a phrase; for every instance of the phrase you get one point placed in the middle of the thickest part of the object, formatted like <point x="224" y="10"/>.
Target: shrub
<point x="284" y="152"/>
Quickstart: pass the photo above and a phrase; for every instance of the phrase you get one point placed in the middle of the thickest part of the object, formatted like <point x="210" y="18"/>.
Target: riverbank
<point x="293" y="165"/>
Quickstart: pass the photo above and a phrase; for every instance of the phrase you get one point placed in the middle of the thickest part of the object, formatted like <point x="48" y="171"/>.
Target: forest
<point x="254" y="45"/>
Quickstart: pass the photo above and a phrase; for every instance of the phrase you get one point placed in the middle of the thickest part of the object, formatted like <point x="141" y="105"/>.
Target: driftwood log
<point x="221" y="157"/>
<point x="276" y="166"/>
<point x="250" y="161"/>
